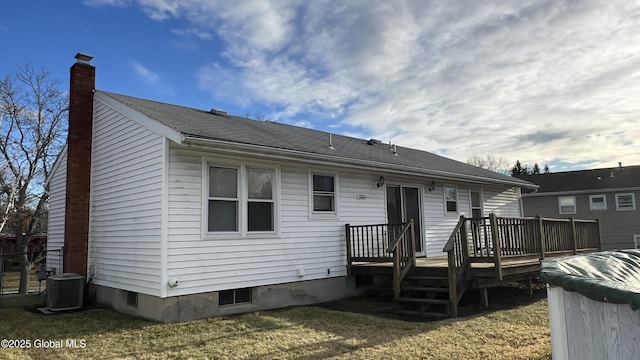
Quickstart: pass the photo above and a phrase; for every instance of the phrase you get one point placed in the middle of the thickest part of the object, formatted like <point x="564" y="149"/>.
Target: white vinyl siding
<point x="126" y="204"/>
<point x="57" y="199"/>
<point x="259" y="259"/>
<point x="438" y="226"/>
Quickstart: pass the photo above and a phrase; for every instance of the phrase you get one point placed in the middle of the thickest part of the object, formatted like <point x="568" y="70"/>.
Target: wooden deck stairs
<point x="480" y="253"/>
<point x="424" y="296"/>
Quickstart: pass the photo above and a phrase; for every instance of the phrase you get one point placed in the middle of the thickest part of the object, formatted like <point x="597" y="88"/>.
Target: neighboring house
<point x="610" y="195"/>
<point x="175" y="213"/>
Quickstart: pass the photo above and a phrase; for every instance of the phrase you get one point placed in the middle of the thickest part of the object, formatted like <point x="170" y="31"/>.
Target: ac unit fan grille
<point x="65" y="291"/>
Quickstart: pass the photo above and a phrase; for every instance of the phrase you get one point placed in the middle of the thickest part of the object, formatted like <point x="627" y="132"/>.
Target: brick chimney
<point x="76" y="227"/>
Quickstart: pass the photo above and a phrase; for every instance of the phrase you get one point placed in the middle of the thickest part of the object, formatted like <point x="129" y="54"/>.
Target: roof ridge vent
<point x="218" y="112"/>
<point x="373" y="141"/>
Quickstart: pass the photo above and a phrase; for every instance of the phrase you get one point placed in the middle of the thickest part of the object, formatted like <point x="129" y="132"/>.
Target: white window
<point x="567" y="204"/>
<point x="260" y="204"/>
<point x="476" y="203"/>
<point x="450" y="199"/>
<point x="636" y="241"/>
<point x="625" y="202"/>
<point x="324" y="193"/>
<point x="598" y="202"/>
<point x="223" y="199"/>
<point x="240" y="199"/>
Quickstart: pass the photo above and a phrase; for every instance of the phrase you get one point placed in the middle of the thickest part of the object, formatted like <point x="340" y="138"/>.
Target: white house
<point x="175" y="213"/>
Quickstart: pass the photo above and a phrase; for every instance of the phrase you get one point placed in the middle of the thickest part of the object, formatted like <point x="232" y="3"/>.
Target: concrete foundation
<point x="205" y="305"/>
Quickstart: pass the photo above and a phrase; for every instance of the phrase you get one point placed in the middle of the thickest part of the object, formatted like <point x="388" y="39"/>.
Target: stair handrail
<point x="404" y="254"/>
<point x="457" y="249"/>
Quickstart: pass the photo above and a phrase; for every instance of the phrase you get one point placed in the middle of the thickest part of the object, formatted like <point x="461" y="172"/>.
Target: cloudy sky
<point x="553" y="82"/>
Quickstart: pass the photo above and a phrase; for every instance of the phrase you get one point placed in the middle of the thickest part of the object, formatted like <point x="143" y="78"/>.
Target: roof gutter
<point x="295" y="155"/>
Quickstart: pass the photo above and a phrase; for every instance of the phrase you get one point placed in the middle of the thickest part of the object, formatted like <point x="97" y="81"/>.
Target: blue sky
<point x="547" y="81"/>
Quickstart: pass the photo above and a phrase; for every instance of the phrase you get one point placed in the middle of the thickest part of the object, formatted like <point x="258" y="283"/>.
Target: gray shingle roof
<point x="205" y="125"/>
<point x="593" y="179"/>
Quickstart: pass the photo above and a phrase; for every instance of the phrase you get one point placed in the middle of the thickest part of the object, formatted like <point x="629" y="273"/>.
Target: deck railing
<point x="533" y="237"/>
<point x="383" y="243"/>
<point x="457" y="249"/>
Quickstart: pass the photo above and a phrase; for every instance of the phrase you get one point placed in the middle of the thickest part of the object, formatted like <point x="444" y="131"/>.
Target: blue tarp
<point x="607" y="276"/>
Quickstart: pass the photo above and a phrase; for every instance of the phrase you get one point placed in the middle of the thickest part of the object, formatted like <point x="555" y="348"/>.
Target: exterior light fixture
<point x="432" y="186"/>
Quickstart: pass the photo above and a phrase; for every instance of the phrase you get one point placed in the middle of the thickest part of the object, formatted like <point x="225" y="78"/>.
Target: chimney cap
<point x="83" y="58"/>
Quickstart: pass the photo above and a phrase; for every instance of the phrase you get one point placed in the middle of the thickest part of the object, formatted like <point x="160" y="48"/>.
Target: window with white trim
<point x="598" y="202"/>
<point x="223" y="199"/>
<point x="240" y="199"/>
<point x="567" y="204"/>
<point x="260" y="203"/>
<point x="451" y="199"/>
<point x="324" y="193"/>
<point x="476" y="203"/>
<point x="625" y="202"/>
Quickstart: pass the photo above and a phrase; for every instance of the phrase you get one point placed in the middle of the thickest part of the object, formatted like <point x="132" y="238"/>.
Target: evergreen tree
<point x="536" y="169"/>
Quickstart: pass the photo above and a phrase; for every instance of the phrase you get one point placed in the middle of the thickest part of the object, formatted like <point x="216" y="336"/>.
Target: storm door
<point x="403" y="204"/>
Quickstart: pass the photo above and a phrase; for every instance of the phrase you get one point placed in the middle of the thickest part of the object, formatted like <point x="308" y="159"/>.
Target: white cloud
<point x="540" y="81"/>
<point x="145" y="73"/>
<point x="117" y="3"/>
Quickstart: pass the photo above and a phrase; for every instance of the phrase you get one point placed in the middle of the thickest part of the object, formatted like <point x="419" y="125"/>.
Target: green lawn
<point x="521" y="332"/>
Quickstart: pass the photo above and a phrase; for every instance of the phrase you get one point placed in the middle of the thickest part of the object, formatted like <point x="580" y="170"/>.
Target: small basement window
<point x="132" y="299"/>
<point x="234" y="296"/>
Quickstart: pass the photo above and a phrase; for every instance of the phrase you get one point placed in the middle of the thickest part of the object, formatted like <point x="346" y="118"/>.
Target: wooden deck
<point x="481" y="253"/>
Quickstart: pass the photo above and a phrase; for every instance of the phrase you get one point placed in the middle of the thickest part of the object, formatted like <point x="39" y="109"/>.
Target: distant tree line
<point x="519" y="170"/>
<point x="501" y="166"/>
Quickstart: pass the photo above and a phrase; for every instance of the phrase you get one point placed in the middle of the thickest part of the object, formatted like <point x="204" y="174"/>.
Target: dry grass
<point x="521" y="332"/>
<point x="11" y="282"/>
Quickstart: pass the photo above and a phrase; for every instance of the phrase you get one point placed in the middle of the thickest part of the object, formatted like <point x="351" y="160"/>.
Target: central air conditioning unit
<point x="65" y="291"/>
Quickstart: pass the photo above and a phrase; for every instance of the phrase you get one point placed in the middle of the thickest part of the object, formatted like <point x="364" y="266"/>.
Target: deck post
<point x="495" y="236"/>
<point x="484" y="297"/>
<point x="347" y="231"/>
<point x="574" y="236"/>
<point x="465" y="241"/>
<point x="453" y="283"/>
<point x="599" y="235"/>
<point x="541" y="237"/>
<point x="413" y="244"/>
<point x="396" y="272"/>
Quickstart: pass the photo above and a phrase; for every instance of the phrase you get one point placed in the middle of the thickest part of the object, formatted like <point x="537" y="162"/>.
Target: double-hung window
<point x="260" y="205"/>
<point x="598" y="202"/>
<point x="451" y="199"/>
<point x="223" y="199"/>
<point x="625" y="202"/>
<point x="241" y="199"/>
<point x="324" y="193"/>
<point x="567" y="204"/>
<point x="476" y="203"/>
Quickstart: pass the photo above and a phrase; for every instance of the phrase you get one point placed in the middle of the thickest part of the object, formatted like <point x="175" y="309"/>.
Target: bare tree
<point x="33" y="112"/>
<point x="490" y="162"/>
